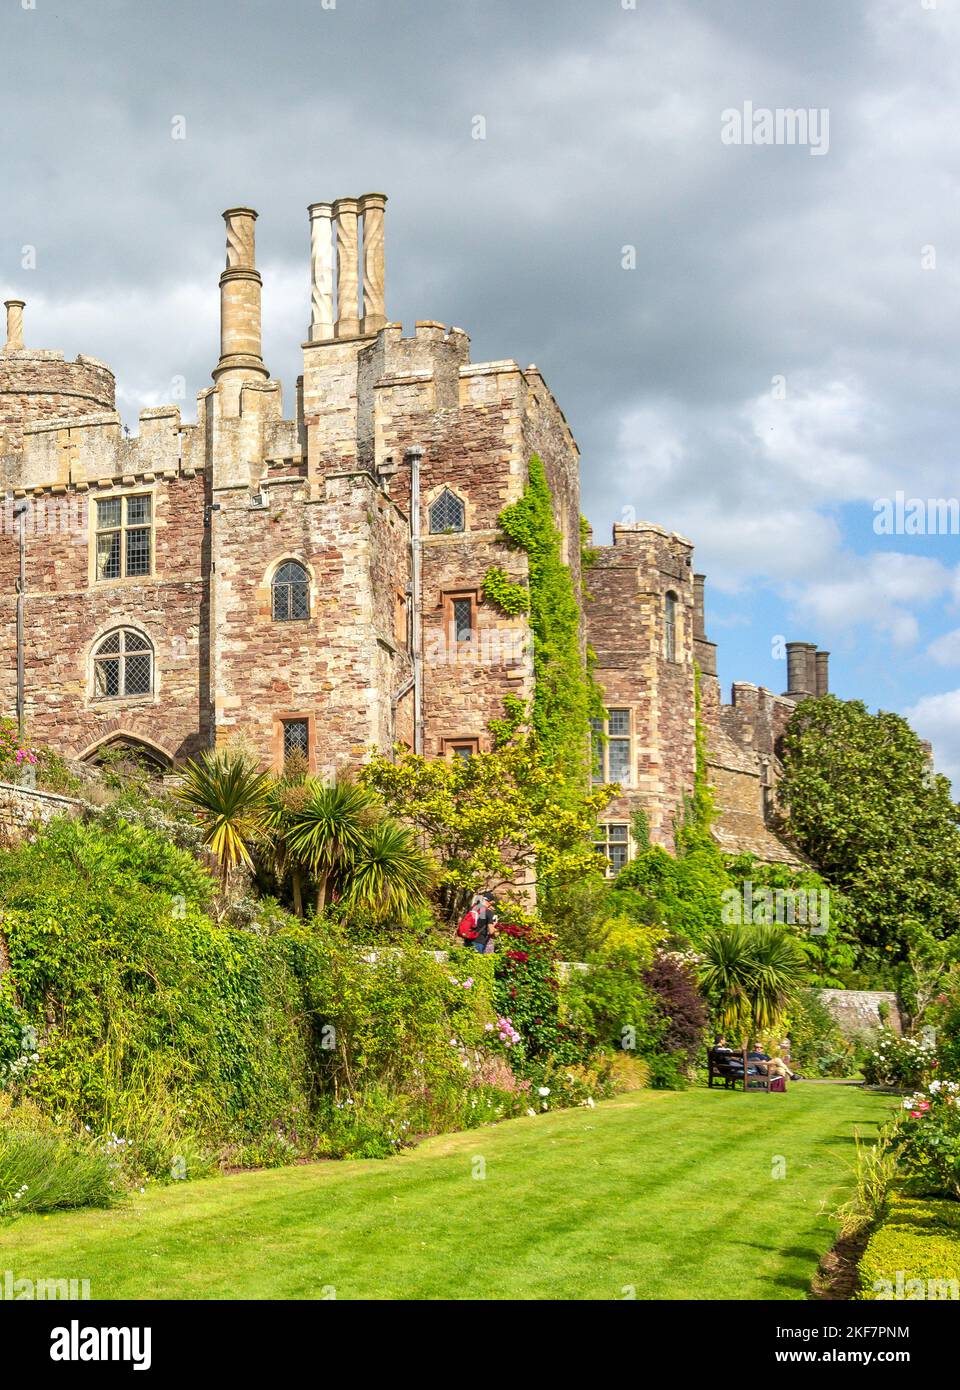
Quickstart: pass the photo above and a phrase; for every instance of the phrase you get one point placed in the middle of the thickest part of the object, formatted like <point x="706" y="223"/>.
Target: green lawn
<point x="672" y="1194"/>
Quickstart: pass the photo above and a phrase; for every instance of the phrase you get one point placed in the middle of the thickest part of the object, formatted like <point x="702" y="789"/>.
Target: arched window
<point x="122" y="665"/>
<point x="447" y="513"/>
<point x="291" y="592"/>
<point x="670" y="627"/>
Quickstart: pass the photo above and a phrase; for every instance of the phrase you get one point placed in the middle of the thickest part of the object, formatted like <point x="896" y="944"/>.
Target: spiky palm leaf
<point x="390" y="873"/>
<point x="726" y="975"/>
<point x="779" y="972"/>
<point x="227" y="795"/>
<point x="329" y="830"/>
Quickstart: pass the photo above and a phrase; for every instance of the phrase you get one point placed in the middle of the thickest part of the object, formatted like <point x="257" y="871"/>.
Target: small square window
<point x="614" y="847"/>
<point x="461" y="749"/>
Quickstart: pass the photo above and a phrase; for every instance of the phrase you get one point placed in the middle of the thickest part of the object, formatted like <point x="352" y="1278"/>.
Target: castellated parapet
<point x="38" y="385"/>
<point x="316" y="582"/>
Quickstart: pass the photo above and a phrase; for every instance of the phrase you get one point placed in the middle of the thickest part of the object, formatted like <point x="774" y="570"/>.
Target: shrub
<point x="629" y="1073"/>
<point x="915" y="1254"/>
<point x="527" y="991"/>
<point x="896" y="1061"/>
<point x="45" y="1169"/>
<point x="928" y="1140"/>
<point x="678" y="1003"/>
<point x="611" y="1005"/>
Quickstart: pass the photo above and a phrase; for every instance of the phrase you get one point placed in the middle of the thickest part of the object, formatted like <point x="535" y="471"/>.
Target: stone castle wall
<point x="245" y="489"/>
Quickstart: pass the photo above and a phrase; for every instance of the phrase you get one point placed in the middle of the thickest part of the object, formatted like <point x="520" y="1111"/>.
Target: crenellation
<point x="284" y="579"/>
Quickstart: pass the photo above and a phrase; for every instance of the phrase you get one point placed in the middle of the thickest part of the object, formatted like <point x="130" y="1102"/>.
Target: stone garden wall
<point x="21" y="808"/>
<point x="858" y="1011"/>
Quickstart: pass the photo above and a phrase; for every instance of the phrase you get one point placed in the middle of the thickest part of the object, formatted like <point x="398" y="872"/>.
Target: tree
<point x="329" y="830"/>
<point x="863" y="802"/>
<point x="285" y="799"/>
<point x="228" y="797"/>
<point x="750" y="974"/>
<point x="493" y="820"/>
<point x="390" y="873"/>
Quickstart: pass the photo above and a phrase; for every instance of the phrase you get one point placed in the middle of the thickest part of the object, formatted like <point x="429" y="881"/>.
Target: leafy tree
<point x="492" y="820"/>
<point x="390" y="873"/>
<point x="329" y="830"/>
<point x="863" y="803"/>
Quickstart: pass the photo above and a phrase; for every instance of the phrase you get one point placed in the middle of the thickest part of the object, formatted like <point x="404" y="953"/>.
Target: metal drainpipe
<point x="415" y="455"/>
<point x="20" y="512"/>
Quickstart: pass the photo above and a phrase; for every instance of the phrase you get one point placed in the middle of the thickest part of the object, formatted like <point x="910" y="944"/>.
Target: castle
<point x="317" y="583"/>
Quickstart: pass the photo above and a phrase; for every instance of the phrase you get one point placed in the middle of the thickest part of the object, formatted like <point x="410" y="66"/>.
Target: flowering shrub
<point x="526" y="992"/>
<point x="928" y="1140"/>
<point x="897" y="1061"/>
<point x="15" y="756"/>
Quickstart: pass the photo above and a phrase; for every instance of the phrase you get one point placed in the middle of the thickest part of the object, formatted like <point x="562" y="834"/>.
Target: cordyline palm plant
<point x="285" y="799"/>
<point x="228" y="797"/>
<point x="329" y="830"/>
<point x="390" y="872"/>
<point x="751" y="974"/>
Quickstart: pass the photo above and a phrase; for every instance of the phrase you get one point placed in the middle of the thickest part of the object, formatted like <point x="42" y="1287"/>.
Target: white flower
<point x="531" y="1112"/>
<point x="543" y="1091"/>
<point x="934" y="1087"/>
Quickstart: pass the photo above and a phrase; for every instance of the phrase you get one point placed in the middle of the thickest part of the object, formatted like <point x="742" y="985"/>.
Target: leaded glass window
<point x="124" y="537"/>
<point x="291" y="593"/>
<point x="447" y="513"/>
<point x="122" y="665"/>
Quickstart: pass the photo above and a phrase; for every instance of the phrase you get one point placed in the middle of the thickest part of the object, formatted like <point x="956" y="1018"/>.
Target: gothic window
<point x="447" y="513"/>
<point x="124" y="537"/>
<point x="291" y="593"/>
<point x="122" y="665"/>
<point x="670" y="627"/>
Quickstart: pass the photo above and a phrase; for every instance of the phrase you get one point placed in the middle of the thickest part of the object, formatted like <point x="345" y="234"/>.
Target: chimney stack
<point x="359" y="271"/>
<point x="14" y="308"/>
<point x="797" y="670"/>
<point x="241" y="352"/>
<point x="372" y="206"/>
<point x="346" y="210"/>
<point x="321" y="271"/>
<point x="823" y="673"/>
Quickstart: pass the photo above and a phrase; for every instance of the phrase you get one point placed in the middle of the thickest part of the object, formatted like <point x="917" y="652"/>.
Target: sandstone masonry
<point x="316" y="582"/>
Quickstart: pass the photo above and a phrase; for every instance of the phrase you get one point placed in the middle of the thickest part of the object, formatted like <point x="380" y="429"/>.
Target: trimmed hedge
<point x="918" y="1241"/>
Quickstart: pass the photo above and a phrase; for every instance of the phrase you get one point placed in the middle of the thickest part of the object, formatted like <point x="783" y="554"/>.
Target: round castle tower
<point x="38" y="384"/>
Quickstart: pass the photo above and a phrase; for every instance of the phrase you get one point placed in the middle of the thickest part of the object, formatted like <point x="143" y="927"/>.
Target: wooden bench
<point x="736" y="1069"/>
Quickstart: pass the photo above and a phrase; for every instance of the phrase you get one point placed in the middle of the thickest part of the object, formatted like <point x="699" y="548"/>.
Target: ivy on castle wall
<point x="566" y="696"/>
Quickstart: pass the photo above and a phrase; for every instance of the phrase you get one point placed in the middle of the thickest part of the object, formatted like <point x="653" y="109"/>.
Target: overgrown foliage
<point x="565" y="697"/>
<point x="492" y="820"/>
<point x="866" y="807"/>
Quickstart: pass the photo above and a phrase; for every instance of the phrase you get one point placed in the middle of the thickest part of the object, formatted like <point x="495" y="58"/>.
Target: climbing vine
<point x="505" y="593"/>
<point x="566" y="696"/>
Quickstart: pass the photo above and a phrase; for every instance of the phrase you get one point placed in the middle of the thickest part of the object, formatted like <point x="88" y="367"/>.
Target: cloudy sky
<point x="754" y="343"/>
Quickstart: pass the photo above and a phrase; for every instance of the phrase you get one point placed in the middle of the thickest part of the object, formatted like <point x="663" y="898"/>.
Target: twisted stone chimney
<point x="241" y="352"/>
<point x="14" y="308"/>
<point x="359" y="271"/>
